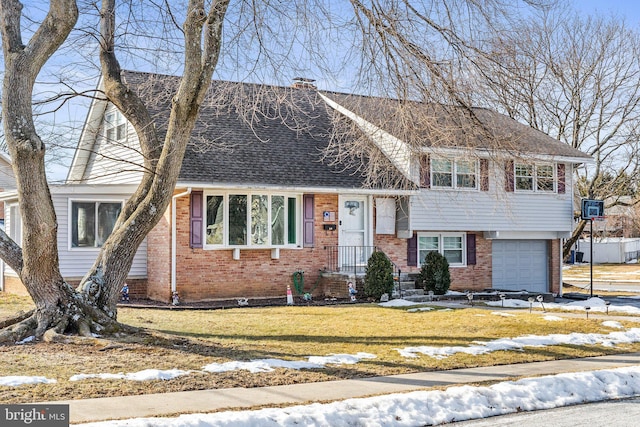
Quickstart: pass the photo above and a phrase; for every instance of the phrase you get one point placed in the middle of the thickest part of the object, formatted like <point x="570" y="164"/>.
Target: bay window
<point x="251" y="220"/>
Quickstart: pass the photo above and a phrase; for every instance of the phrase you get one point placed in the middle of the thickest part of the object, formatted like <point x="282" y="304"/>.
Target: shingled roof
<point x="260" y="135"/>
<point x="435" y="127"/>
<point x="253" y="135"/>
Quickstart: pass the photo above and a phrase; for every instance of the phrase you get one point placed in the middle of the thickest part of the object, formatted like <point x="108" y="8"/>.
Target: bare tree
<point x="578" y="80"/>
<point x="398" y="47"/>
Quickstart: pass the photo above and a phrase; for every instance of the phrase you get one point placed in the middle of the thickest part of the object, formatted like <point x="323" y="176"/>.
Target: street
<point x="619" y="413"/>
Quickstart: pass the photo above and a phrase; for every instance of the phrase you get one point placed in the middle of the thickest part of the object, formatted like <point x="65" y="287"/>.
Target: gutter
<point x="173" y="237"/>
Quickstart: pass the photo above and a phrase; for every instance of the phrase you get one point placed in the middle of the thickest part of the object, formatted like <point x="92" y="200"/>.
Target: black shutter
<point x="195" y="218"/>
<point x="412" y="251"/>
<point x="471" y="249"/>
<point x="308" y="221"/>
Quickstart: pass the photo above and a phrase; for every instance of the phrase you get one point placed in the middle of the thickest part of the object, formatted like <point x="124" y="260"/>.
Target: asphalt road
<point x="619" y="413"/>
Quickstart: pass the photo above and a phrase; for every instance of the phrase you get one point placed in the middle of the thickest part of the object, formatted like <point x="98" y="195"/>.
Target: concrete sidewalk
<point x="151" y="405"/>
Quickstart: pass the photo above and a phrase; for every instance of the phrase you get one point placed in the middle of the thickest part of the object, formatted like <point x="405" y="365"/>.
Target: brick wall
<point x="472" y="277"/>
<point x="214" y="274"/>
<point x="159" y="259"/>
<point x="137" y="287"/>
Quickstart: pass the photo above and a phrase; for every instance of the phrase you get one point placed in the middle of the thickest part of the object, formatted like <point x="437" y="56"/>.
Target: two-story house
<point x="258" y="200"/>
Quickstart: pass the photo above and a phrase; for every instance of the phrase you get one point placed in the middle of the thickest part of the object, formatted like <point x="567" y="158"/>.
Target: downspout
<point x="173" y="237"/>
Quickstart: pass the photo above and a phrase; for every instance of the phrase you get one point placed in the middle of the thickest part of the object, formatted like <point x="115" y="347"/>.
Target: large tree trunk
<point x="91" y="309"/>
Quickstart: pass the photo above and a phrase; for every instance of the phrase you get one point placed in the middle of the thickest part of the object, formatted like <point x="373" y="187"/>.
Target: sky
<point x="429" y="407"/>
<point x="630" y="9"/>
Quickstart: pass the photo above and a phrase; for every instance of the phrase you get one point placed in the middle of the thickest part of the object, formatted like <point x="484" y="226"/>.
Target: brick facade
<point x="470" y="278"/>
<point x="214" y="274"/>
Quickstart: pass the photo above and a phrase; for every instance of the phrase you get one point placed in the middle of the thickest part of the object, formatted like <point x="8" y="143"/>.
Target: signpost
<point x="591" y="209"/>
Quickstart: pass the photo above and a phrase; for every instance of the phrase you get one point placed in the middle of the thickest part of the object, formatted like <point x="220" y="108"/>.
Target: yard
<point x="189" y="340"/>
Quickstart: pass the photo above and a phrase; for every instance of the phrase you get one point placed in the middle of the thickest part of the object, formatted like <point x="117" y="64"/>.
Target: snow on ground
<point x="423" y="407"/>
<point x="519" y="343"/>
<point x="145" y="375"/>
<point x="595" y="304"/>
<point x="267" y="365"/>
<point x="16" y="380"/>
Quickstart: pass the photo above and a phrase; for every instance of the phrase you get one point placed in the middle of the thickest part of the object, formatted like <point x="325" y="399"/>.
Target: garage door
<point x="520" y="265"/>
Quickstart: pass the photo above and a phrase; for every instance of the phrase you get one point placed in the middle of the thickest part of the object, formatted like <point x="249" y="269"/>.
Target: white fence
<point x="609" y="251"/>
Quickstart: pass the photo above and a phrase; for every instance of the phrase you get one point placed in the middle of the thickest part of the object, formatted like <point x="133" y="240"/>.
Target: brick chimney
<point x="303" y="83"/>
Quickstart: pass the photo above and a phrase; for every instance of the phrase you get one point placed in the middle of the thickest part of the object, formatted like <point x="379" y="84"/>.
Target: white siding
<point x="105" y="166"/>
<point x="74" y="263"/>
<point x="493" y="210"/>
<point x="7" y="178"/>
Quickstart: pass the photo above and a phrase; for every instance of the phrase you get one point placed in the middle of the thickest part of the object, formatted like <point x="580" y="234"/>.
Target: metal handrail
<point x="353" y="260"/>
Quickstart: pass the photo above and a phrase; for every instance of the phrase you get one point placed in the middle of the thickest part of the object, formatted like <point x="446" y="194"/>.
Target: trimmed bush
<point x="434" y="274"/>
<point x="378" y="278"/>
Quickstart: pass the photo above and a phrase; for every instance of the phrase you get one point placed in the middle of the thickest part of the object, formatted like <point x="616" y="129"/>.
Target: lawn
<point x="188" y="340"/>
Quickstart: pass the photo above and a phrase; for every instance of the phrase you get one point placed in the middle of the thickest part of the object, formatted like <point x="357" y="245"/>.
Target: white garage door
<point x="520" y="265"/>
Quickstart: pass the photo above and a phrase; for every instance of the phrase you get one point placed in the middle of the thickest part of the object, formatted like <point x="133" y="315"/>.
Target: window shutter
<point x="484" y="174"/>
<point x="308" y="221"/>
<point x="195" y="216"/>
<point x="561" y="178"/>
<point x="471" y="249"/>
<point x="509" y="176"/>
<point x="425" y="172"/>
<point x="412" y="251"/>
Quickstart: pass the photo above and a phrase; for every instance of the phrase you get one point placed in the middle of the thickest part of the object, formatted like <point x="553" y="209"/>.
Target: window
<point x="524" y="177"/>
<point x="451" y="245"/>
<point x="115" y="126"/>
<point x="465" y="172"/>
<point x="92" y="222"/>
<point x="441" y="173"/>
<point x="255" y="220"/>
<point x="544" y="177"/>
<point x="530" y="177"/>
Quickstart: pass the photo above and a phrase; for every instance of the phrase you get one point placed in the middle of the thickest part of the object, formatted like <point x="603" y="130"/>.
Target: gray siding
<point x="106" y="164"/>
<point x="74" y="263"/>
<point x="493" y="210"/>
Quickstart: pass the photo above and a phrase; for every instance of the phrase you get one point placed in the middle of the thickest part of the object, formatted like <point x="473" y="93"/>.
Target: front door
<point x="353" y="235"/>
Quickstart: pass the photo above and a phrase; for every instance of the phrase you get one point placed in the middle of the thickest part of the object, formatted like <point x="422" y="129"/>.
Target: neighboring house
<point x="257" y="201"/>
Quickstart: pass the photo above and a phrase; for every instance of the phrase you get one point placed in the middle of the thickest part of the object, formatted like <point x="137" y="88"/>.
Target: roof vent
<point x="303" y="83"/>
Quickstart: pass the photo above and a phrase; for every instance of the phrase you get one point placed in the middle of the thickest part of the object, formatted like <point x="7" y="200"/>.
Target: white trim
<point x="302" y="190"/>
<point x="93" y="200"/>
<point x="506" y="154"/>
<point x="440" y="235"/>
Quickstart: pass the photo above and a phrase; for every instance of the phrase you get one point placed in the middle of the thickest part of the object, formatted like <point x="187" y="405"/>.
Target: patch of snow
<point x="553" y="318"/>
<point x="145" y="375"/>
<point x="431" y="407"/>
<point x="596" y="305"/>
<point x="268" y="365"/>
<point x="518" y="343"/>
<point x="612" y="324"/>
<point x="16" y="380"/>
<point x="27" y="339"/>
<point x="500" y="313"/>
<point x="414" y="310"/>
<point x="399" y="302"/>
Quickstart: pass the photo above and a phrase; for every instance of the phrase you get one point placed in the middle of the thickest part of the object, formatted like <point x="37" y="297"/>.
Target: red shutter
<point x="195" y="216"/>
<point x="412" y="251"/>
<point x="425" y="172"/>
<point x="308" y="221"/>
<point x="561" y="178"/>
<point x="509" y="178"/>
<point x="471" y="249"/>
<point x="484" y="174"/>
